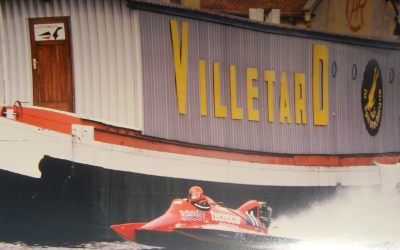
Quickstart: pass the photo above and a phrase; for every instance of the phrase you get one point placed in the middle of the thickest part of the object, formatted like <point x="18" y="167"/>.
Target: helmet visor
<point x="194" y="196"/>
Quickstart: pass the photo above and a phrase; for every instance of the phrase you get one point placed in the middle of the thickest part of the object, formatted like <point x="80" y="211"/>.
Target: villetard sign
<point x="320" y="112"/>
<point x="371" y="88"/>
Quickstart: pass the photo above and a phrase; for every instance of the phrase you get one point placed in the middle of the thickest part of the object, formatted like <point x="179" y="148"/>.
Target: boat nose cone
<point x="127" y="230"/>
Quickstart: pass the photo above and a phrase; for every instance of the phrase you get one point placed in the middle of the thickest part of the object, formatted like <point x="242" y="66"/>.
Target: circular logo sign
<point x="371" y="97"/>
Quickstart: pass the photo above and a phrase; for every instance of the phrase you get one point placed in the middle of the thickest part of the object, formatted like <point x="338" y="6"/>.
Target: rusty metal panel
<point x="345" y="132"/>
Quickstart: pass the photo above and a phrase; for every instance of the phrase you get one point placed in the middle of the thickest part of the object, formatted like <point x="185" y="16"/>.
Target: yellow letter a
<point x="284" y="102"/>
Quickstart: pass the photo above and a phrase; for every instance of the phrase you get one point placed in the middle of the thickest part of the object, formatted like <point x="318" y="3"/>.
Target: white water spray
<point x="362" y="218"/>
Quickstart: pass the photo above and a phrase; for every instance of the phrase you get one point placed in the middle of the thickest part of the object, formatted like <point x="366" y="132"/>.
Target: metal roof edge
<point x="204" y="15"/>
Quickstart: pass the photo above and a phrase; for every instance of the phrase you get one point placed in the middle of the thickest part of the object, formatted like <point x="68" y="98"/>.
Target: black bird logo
<point x="55" y="34"/>
<point x="46" y="35"/>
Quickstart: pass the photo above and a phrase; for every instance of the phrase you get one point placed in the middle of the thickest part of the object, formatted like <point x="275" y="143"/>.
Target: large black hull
<point x="77" y="202"/>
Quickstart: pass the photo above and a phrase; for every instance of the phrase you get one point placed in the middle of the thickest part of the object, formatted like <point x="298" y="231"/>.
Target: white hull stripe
<point x="33" y="143"/>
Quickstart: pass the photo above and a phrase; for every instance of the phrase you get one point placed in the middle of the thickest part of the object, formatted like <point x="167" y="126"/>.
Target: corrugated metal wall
<point x="2" y="55"/>
<point x="228" y="45"/>
<point x="103" y="43"/>
<point x="106" y="47"/>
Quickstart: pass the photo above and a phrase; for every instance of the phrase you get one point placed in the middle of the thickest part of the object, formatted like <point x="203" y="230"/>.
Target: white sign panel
<point x="50" y="31"/>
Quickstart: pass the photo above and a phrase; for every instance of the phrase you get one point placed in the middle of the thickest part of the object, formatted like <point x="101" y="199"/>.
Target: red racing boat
<point x="185" y="226"/>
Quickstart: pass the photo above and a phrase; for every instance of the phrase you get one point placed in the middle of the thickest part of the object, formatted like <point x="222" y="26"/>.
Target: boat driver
<point x="199" y="200"/>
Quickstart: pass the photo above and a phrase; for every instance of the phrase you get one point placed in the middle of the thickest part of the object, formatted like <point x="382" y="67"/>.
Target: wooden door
<point x="52" y="63"/>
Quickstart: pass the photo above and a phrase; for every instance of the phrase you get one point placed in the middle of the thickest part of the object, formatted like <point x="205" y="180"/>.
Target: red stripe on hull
<point x="316" y="160"/>
<point x="356" y="161"/>
<point x="127" y="137"/>
<point x="48" y="119"/>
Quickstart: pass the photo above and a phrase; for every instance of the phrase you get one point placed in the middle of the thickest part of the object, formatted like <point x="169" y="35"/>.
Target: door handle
<point x="34" y="63"/>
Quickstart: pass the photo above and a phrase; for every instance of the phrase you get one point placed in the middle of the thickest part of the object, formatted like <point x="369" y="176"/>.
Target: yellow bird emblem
<point x="371" y="95"/>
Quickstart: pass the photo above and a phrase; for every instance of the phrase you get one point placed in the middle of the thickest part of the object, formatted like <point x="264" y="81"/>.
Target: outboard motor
<point x="265" y="213"/>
